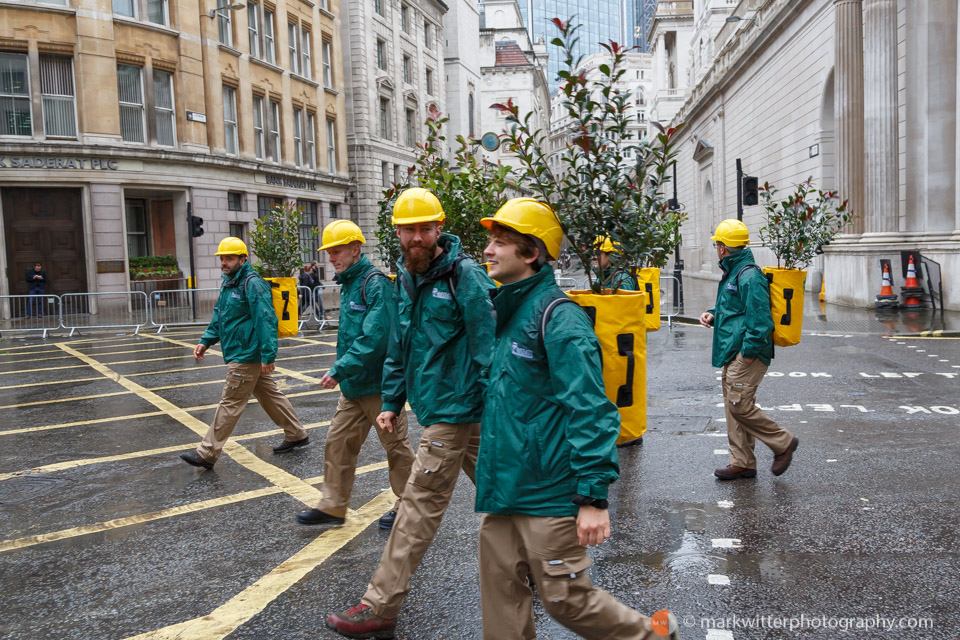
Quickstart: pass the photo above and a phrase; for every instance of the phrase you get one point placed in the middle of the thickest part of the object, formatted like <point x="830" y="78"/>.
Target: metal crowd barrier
<point x="328" y="297"/>
<point x="30" y="313"/>
<point x="305" y="309"/>
<point x="667" y="299"/>
<point x="110" y="310"/>
<point x="182" y="307"/>
<point x="567" y="283"/>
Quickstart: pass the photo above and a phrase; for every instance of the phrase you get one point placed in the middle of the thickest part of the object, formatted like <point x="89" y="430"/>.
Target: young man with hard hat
<point x="743" y="347"/>
<point x="245" y="324"/>
<point x="366" y="315"/>
<point x="613" y="277"/>
<point x="548" y="447"/>
<point x="438" y="360"/>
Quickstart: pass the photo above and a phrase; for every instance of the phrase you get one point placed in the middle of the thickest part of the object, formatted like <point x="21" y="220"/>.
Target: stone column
<point x="849" y="106"/>
<point x="881" y="148"/>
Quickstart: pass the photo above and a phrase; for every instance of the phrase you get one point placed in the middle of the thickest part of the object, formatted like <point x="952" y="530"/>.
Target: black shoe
<point x="386" y="520"/>
<point x="192" y="457"/>
<point x="315" y="516"/>
<point x="286" y="445"/>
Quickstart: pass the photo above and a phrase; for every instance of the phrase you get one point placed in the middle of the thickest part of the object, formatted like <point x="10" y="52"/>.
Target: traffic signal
<point x="750" y="197"/>
<point x="196" y="226"/>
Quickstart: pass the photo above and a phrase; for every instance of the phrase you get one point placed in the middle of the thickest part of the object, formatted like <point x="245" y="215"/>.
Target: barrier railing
<point x="666" y="299"/>
<point x="182" y="307"/>
<point x="567" y="283"/>
<point x="305" y="311"/>
<point x="111" y="310"/>
<point x="30" y="313"/>
<point x="328" y="296"/>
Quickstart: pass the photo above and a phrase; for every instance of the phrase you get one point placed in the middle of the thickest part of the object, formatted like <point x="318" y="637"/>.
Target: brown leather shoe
<point x="361" y="622"/>
<point x="733" y="472"/>
<point x="782" y="462"/>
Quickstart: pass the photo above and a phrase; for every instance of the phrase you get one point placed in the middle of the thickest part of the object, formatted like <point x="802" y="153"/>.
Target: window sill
<point x="326" y="13"/>
<point x="264" y="63"/>
<point x="149" y="26"/>
<point x="228" y="49"/>
<point x="410" y="39"/>
<point x="297" y="76"/>
<point x="308" y="3"/>
<point x="39" y="6"/>
<point x="332" y="92"/>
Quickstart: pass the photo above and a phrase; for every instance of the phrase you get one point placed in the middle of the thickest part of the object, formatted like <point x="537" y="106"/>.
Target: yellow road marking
<point x="48" y="383"/>
<point x="289" y="482"/>
<point x="84" y="462"/>
<point x="226" y="618"/>
<point x="69" y="366"/>
<point x="193" y="507"/>
<point x="81" y="423"/>
<point x="33" y="359"/>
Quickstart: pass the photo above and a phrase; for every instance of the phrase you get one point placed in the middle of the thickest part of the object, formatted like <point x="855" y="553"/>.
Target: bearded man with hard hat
<point x="366" y="315"/>
<point x="437" y="360"/>
<point x="548" y="446"/>
<point x="613" y="277"/>
<point x="743" y="347"/>
<point x="245" y="324"/>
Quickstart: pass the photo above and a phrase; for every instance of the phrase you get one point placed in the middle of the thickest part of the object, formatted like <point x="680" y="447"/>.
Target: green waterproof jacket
<point x="442" y="338"/>
<point x="615" y="278"/>
<point x="742" y="322"/>
<point x="364" y="329"/>
<point x="549" y="431"/>
<point x="244" y="320"/>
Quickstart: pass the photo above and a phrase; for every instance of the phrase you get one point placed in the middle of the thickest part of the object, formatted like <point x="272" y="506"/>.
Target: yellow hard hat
<point x="530" y="217"/>
<point x="732" y="233"/>
<point x="341" y="232"/>
<point x="417" y="205"/>
<point x="231" y="246"/>
<point x="606" y="245"/>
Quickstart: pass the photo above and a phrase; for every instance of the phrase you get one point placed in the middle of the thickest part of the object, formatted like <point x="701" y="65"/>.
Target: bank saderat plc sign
<point x="57" y="162"/>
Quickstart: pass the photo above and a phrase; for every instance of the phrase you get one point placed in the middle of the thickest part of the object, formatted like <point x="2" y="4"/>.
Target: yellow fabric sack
<point x="284" y="292"/>
<point x="786" y="304"/>
<point x="618" y="321"/>
<point x="650" y="283"/>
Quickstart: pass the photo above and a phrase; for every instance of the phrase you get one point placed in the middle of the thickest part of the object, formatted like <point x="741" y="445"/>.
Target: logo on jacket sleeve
<point x="520" y="352"/>
<point x="443" y="295"/>
<point x="357" y="307"/>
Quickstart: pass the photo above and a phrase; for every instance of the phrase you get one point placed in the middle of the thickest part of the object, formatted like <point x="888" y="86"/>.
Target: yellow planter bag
<point x="284" y="292"/>
<point x="649" y="279"/>
<point x="786" y="304"/>
<point x="618" y="321"/>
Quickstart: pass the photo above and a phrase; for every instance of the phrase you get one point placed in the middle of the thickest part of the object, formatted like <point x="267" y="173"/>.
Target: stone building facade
<point x="860" y="95"/>
<point x="121" y="116"/>
<point x="462" y="68"/>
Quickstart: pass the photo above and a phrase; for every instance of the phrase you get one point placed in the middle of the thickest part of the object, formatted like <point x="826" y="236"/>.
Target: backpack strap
<point x="453" y="278"/>
<point x="363" y="287"/>
<point x="547" y="312"/>
<point x="749" y="266"/>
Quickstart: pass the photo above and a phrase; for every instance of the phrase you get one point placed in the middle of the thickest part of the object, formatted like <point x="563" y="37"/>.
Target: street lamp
<point x="229" y="7"/>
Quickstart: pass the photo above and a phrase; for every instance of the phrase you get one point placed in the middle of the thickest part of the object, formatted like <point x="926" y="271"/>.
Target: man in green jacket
<point x="613" y="277"/>
<point x="366" y="314"/>
<point x="547" y="451"/>
<point x="743" y="347"/>
<point x="245" y="324"/>
<point x="438" y="359"/>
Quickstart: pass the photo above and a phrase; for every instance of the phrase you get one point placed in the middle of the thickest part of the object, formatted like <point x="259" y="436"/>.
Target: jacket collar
<point x="734" y="261"/>
<point x="354" y="271"/>
<point x="510" y="297"/>
<point x="242" y="273"/>
<point x="442" y="265"/>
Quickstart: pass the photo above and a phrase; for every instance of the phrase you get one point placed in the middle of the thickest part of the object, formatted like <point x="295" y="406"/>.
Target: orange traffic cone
<point x="887" y="299"/>
<point x="911" y="288"/>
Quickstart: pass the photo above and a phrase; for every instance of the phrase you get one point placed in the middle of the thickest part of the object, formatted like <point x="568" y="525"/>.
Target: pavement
<point x="105" y="533"/>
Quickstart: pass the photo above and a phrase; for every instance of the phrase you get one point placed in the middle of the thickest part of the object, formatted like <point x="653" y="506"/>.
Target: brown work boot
<point x="782" y="462"/>
<point x="733" y="472"/>
<point x="361" y="622"/>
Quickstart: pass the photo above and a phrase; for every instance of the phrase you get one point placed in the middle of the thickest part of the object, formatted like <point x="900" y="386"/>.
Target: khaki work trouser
<point x="745" y="421"/>
<point x="348" y="431"/>
<point x="242" y="381"/>
<point x="513" y="547"/>
<point x="444" y="449"/>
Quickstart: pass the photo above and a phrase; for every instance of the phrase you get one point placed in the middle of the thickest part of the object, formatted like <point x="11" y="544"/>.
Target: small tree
<point x="797" y="228"/>
<point x="275" y="239"/>
<point x="613" y="184"/>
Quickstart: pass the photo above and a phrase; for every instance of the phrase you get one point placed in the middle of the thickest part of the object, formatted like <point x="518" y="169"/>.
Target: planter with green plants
<point x="154" y="268"/>
<point x="612" y="186"/>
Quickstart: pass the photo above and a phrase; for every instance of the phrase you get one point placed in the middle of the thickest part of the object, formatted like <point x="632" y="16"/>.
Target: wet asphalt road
<point x="105" y="533"/>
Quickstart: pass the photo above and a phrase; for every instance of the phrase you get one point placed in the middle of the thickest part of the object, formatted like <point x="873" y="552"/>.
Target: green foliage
<point x="468" y="191"/>
<point x="613" y="183"/>
<point x="797" y="228"/>
<point x="275" y="240"/>
<point x="154" y="267"/>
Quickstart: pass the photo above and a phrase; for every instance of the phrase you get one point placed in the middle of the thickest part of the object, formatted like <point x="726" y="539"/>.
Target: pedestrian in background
<point x="613" y="277"/>
<point x="548" y="445"/>
<point x="305" y="279"/>
<point x="245" y="324"/>
<point x="36" y="286"/>
<point x="318" y="310"/>
<point x="438" y="358"/>
<point x="743" y="347"/>
<point x="366" y="314"/>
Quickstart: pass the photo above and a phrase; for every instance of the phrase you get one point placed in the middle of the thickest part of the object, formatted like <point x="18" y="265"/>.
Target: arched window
<point x="470" y="112"/>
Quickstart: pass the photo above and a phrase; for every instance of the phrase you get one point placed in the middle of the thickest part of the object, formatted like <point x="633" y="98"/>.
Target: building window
<point x="157" y="12"/>
<point x="253" y="28"/>
<point x="309" y="242"/>
<point x="411" y="127"/>
<point x="273" y="140"/>
<point x="306" y="65"/>
<point x="230" y="120"/>
<point x="470" y="129"/>
<point x="59" y="102"/>
<point x="293" y="44"/>
<point x="136" y="214"/>
<point x="381" y="55"/>
<point x="237" y="229"/>
<point x="429" y="76"/>
<point x="406" y="69"/>
<point x="15" y="118"/>
<point x="298" y="137"/>
<point x="225" y="25"/>
<point x="269" y="47"/>
<point x="163" y="108"/>
<point x="405" y="18"/>
<point x="327" y="66"/>
<point x="331" y="146"/>
<point x="234" y="203"/>
<point x="310" y="141"/>
<point x="378" y="6"/>
<point x="385" y="118"/>
<point x="125" y="8"/>
<point x="427" y="33"/>
<point x="385" y="174"/>
<point x="258" y="135"/>
<point x="130" y="90"/>
<point x="265" y="205"/>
